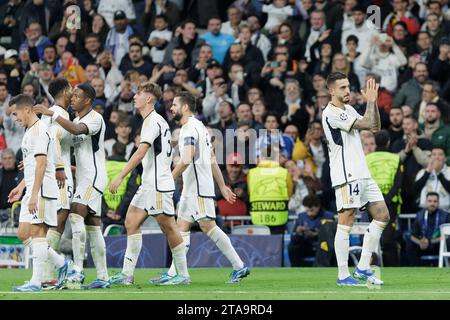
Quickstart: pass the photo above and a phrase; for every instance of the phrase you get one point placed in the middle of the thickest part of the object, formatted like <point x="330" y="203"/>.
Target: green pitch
<point x="263" y="283"/>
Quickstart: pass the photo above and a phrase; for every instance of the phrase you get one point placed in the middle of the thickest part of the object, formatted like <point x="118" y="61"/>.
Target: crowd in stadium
<point x="252" y="65"/>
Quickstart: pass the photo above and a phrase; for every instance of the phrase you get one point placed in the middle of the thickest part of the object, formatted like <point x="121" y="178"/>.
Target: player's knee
<point x="131" y="225"/>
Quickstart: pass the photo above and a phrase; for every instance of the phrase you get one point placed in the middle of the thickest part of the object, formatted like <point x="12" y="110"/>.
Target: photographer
<point x="306" y="230"/>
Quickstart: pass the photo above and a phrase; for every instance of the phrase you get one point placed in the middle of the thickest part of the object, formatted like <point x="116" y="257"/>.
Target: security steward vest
<point x="113" y="168"/>
<point x="383" y="168"/>
<point x="269" y="197"/>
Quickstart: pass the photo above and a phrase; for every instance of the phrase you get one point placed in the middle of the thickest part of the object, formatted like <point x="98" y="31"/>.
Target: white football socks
<point x="224" y="244"/>
<point x="186" y="235"/>
<point x="370" y="242"/>
<point x="179" y="259"/>
<point x="134" y="246"/>
<point x="341" y="247"/>
<point x="40" y="249"/>
<point x="98" y="251"/>
<point x="53" y="240"/>
<point x="78" y="240"/>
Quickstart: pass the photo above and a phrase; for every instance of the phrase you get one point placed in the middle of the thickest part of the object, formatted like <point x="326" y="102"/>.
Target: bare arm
<point x="371" y="118"/>
<point x="75" y="129"/>
<point x="228" y="195"/>
<point x="132" y="163"/>
<point x="185" y="161"/>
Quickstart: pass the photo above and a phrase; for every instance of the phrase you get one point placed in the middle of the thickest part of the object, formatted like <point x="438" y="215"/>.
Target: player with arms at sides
<point x="61" y="92"/>
<point x="350" y="175"/>
<point x="154" y="196"/>
<point x="198" y="166"/>
<point x="38" y="207"/>
<point x="88" y="131"/>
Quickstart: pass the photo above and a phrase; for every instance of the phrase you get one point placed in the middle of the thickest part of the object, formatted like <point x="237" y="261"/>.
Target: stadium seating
<point x="114" y="230"/>
<point x="443" y="252"/>
<point x="251" y="230"/>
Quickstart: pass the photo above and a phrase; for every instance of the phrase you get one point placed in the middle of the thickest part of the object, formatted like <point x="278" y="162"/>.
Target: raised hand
<point x="371" y="91"/>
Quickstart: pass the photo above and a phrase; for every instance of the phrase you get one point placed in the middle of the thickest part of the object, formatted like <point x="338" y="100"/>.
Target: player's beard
<point x="177" y="116"/>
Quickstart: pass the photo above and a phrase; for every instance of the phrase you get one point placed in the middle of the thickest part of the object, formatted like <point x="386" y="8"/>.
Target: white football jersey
<point x="90" y="152"/>
<point x="37" y="141"/>
<point x="347" y="160"/>
<point x="157" y="162"/>
<point x="62" y="149"/>
<point x="198" y="177"/>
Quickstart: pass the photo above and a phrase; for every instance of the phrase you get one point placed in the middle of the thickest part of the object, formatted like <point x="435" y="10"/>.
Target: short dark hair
<point x="187" y="98"/>
<point x="22" y="101"/>
<point x="272" y="114"/>
<point x="432" y="193"/>
<point x="89" y="91"/>
<point x="311" y="201"/>
<point x="353" y="38"/>
<point x="434" y="2"/>
<point x="50" y="46"/>
<point x="92" y="35"/>
<point x="119" y="149"/>
<point x="333" y="77"/>
<point x="440" y="148"/>
<point x="185" y="22"/>
<point x="136" y="44"/>
<point x="57" y="87"/>
<point x="382" y="138"/>
<point x="4" y="85"/>
<point x="162" y="16"/>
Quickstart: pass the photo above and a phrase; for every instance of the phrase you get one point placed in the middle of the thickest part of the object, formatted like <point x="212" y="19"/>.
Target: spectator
<point x="236" y="180"/>
<point x="401" y="13"/>
<point x="440" y="66"/>
<point x="311" y="32"/>
<point x="45" y="13"/>
<point x="402" y="38"/>
<point x="135" y="61"/>
<point x="304" y="238"/>
<point x="219" y="42"/>
<point x="305" y="183"/>
<point x="198" y="70"/>
<point x="13" y="130"/>
<point x="40" y="80"/>
<point x="109" y="9"/>
<point x="10" y="17"/>
<point x="430" y="94"/>
<point x="92" y="46"/>
<point x="159" y="38"/>
<point x="50" y="58"/>
<point x="424" y="46"/>
<point x="117" y="39"/>
<point x="71" y="69"/>
<point x="212" y="101"/>
<point x="252" y="68"/>
<point x="316" y="147"/>
<point x="159" y="9"/>
<point x="269" y="186"/>
<point x="181" y="82"/>
<point x="425" y="236"/>
<point x="231" y="27"/>
<point x="258" y="38"/>
<point x="435" y="178"/>
<point x="251" y="52"/>
<point x="236" y="86"/>
<point x="110" y="73"/>
<point x="8" y="181"/>
<point x="115" y="206"/>
<point x="188" y="39"/>
<point x="100" y="27"/>
<point x="92" y="71"/>
<point x="213" y="71"/>
<point x="386" y="170"/>
<point x="341" y="64"/>
<point x="434" y="27"/>
<point x="411" y="92"/>
<point x="382" y="56"/>
<point x="244" y="113"/>
<point x="35" y="41"/>
<point x="287" y="37"/>
<point x="435" y="129"/>
<point x="360" y="27"/>
<point x="278" y="11"/>
<point x="414" y="151"/>
<point x="295" y="108"/>
<point x="395" y="125"/>
<point x="274" y="136"/>
<point x="367" y="141"/>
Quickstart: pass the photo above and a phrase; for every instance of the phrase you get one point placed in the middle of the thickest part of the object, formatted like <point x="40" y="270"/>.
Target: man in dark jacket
<point x="8" y="181"/>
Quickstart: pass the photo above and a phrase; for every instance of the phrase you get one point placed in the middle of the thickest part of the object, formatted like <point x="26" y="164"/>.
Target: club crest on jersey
<point x="343" y="116"/>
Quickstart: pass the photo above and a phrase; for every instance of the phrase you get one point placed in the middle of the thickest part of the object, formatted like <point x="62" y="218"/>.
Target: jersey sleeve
<point x="42" y="143"/>
<point x="189" y="137"/>
<point x="149" y="132"/>
<point x="94" y="124"/>
<point x="341" y="120"/>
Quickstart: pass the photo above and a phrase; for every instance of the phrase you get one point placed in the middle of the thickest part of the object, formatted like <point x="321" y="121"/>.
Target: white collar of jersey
<point x="333" y="106"/>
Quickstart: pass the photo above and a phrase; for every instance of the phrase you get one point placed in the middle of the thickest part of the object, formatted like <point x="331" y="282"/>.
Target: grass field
<point x="263" y="283"/>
